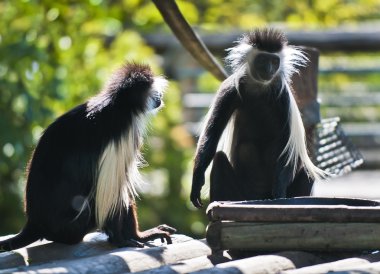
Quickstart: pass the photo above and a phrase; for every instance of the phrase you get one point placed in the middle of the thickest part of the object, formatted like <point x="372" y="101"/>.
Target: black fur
<point x="256" y="168"/>
<point x="270" y="40"/>
<point x="63" y="170"/>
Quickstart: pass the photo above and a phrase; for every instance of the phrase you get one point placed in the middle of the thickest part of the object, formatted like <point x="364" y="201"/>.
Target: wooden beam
<point x="274" y="263"/>
<point x="325" y="41"/>
<point x="293" y="213"/>
<point x="293" y="236"/>
<point x="253" y="265"/>
<point x="80" y="258"/>
<point x="329" y="267"/>
<point x="187" y="266"/>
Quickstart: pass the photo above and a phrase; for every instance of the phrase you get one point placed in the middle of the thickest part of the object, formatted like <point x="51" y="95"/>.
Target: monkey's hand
<point x="160" y="232"/>
<point x="195" y="196"/>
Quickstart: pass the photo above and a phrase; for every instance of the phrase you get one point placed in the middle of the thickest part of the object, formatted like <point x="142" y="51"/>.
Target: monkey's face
<point x="263" y="66"/>
<point x="156" y="93"/>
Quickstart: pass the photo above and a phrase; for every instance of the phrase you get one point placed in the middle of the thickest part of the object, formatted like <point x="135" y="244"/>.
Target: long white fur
<point x="118" y="167"/>
<point x="225" y="143"/>
<point x="295" y="149"/>
<point x="118" y="176"/>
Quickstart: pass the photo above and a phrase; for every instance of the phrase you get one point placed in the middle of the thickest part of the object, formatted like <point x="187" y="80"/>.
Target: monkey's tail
<point x="26" y="236"/>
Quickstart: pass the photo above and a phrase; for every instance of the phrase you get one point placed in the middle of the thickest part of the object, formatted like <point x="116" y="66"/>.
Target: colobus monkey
<point x="264" y="145"/>
<point x="84" y="173"/>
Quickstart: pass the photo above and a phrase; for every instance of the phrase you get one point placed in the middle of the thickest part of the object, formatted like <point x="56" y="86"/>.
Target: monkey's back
<point x="61" y="172"/>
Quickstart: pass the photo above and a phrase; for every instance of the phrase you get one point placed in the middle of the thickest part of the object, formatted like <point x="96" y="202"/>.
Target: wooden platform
<point x="185" y="255"/>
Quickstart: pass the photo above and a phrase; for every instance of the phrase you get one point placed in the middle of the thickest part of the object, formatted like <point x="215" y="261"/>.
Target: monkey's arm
<point x="225" y="103"/>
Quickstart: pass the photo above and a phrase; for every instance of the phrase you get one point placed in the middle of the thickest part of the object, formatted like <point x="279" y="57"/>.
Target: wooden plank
<point x="293" y="213"/>
<point x="266" y="263"/>
<point x="305" y="90"/>
<point x="191" y="265"/>
<point x="293" y="236"/>
<point x="305" y="86"/>
<point x="329" y="267"/>
<point x="186" y="266"/>
<point x="44" y="251"/>
<point x="252" y="265"/>
<point x="373" y="268"/>
<point x="123" y="260"/>
<point x="302" y="258"/>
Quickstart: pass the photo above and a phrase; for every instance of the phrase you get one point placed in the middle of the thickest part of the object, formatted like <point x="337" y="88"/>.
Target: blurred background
<point x="56" y="54"/>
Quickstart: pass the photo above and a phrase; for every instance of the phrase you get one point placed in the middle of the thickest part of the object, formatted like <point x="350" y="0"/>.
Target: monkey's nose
<point x="266" y="65"/>
<point x="275" y="63"/>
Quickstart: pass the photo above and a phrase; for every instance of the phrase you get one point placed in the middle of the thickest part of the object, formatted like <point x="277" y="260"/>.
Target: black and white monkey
<point x="264" y="139"/>
<point x="84" y="173"/>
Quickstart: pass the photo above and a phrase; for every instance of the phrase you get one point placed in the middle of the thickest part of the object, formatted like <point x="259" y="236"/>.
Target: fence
<point x="357" y="103"/>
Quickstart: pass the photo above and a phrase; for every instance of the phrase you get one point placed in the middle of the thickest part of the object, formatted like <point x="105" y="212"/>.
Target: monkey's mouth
<point x="263" y="76"/>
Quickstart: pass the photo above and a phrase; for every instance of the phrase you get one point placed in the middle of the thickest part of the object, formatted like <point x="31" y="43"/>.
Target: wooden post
<point x="305" y="86"/>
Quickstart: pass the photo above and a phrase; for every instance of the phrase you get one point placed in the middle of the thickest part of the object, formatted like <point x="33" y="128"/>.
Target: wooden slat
<point x="293" y="236"/>
<point x="328" y="267"/>
<point x="293" y="213"/>
<point x="123" y="260"/>
<point x="253" y="265"/>
<point x="373" y="268"/>
<point x="44" y="251"/>
<point x="186" y="266"/>
<point x="194" y="264"/>
<point x="265" y="263"/>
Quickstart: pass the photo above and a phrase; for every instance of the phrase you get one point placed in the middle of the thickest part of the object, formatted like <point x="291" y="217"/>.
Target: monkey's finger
<point x="167" y="228"/>
<point x="167" y="238"/>
<point x="197" y="202"/>
<point x="200" y="203"/>
<point x="163" y="236"/>
<point x="195" y="198"/>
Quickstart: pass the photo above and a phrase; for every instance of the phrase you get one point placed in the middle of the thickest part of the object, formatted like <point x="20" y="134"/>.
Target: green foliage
<point x="219" y="15"/>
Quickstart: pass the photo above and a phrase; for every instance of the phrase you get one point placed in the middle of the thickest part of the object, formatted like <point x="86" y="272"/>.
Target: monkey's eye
<point x="276" y="62"/>
<point x="155" y="100"/>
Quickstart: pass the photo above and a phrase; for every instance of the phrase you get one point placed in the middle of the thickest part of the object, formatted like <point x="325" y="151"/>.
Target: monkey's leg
<point x="283" y="178"/>
<point x="301" y="186"/>
<point x="72" y="230"/>
<point x="223" y="182"/>
<point x="286" y="186"/>
<point x="123" y="230"/>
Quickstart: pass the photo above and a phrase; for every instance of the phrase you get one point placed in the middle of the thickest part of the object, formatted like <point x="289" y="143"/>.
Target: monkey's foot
<point x="160" y="232"/>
